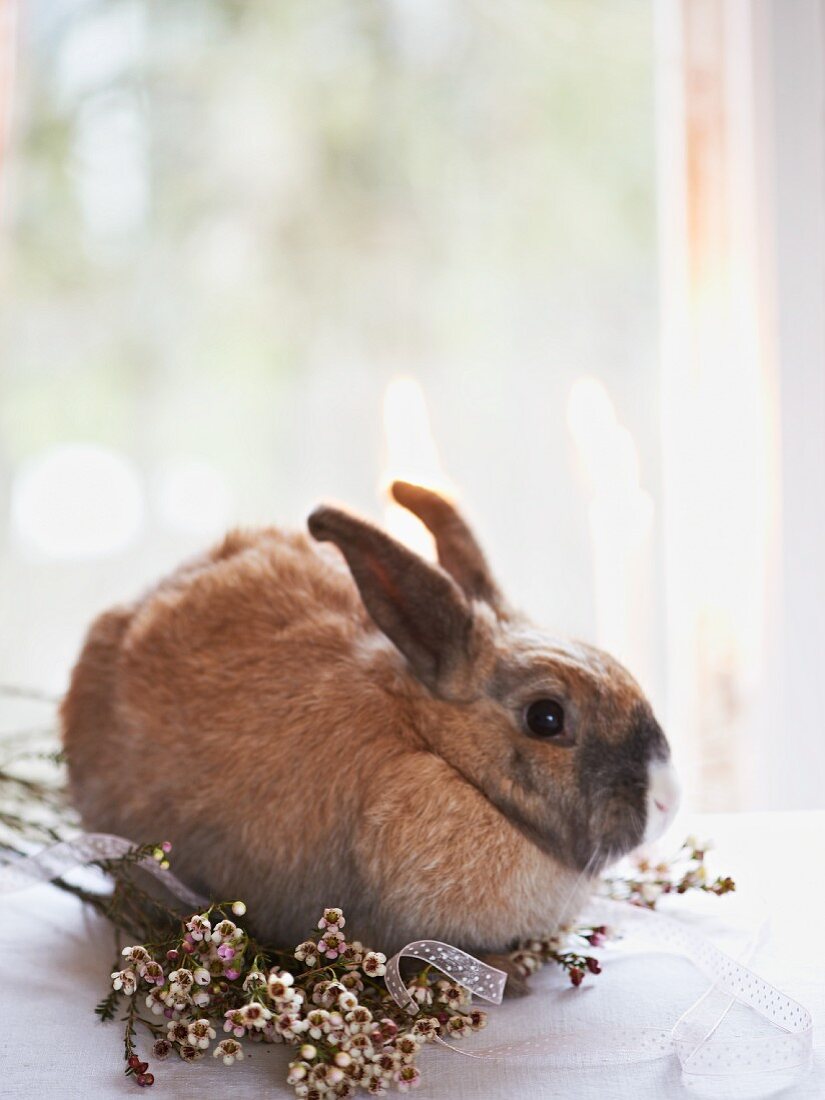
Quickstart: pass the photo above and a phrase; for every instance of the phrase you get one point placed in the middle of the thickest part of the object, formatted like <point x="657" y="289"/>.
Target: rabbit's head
<point x="557" y="735"/>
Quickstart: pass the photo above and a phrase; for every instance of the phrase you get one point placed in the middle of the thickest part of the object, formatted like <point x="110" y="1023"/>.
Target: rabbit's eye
<point x="545" y="718"/>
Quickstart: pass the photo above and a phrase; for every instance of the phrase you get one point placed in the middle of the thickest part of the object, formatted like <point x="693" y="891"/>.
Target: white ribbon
<point x="692" y="1039"/>
<point x="58" y="860"/>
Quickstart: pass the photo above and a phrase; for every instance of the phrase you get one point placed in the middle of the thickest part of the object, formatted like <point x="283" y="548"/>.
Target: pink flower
<point x="331" y="944"/>
<point x="333" y="919"/>
<point x="408" y="1077"/>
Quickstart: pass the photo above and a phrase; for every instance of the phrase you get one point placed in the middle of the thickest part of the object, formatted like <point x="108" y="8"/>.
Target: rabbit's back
<point x="202" y="712"/>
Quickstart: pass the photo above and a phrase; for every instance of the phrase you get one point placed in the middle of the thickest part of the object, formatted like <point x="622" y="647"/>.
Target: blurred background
<point x="567" y="261"/>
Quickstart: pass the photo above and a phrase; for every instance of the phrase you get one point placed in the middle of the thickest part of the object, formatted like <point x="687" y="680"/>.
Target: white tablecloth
<point x="55" y="956"/>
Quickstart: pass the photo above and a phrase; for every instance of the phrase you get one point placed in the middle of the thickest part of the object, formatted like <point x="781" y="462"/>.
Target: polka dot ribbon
<point x="692" y="1039"/>
<point x="59" y="859"/>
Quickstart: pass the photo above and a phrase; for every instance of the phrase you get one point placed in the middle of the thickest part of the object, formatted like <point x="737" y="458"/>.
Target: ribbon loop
<point x="484" y="981"/>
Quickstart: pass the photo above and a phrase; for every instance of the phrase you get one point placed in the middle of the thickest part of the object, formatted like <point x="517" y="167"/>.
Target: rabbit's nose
<point x="663" y="794"/>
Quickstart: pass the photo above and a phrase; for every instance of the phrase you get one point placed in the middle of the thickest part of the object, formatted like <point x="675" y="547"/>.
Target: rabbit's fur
<point x="316" y="725"/>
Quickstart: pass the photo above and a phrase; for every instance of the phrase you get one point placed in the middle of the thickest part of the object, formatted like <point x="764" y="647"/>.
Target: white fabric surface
<point x="55" y="959"/>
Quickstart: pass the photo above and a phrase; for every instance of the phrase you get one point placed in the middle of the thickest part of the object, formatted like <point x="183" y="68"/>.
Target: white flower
<point x="289" y="1025"/>
<point x="307" y="952"/>
<point x="226" y="932"/>
<point x="239" y="908"/>
<point x="407" y="1045"/>
<point x="177" y="1032"/>
<point x="425" y="1028"/>
<point x="229" y="1050"/>
<point x="359" y="1020"/>
<point x="318" y="1022"/>
<point x="279" y="986"/>
<point x="255" y="1015"/>
<point x="374" y="964"/>
<point x="200" y="1032"/>
<point x="200" y="927"/>
<point x="180" y="981"/>
<point x="347" y="1001"/>
<point x="135" y="955"/>
<point x="451" y="995"/>
<point x="201" y="998"/>
<point x="421" y="993"/>
<point x="190" y="1053"/>
<point x="125" y="980"/>
<point x="651" y="892"/>
<point x="297" y="1072"/>
<point x="254" y="980"/>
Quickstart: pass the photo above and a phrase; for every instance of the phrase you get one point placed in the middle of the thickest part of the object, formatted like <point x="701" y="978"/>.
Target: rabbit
<point x="334" y="721"/>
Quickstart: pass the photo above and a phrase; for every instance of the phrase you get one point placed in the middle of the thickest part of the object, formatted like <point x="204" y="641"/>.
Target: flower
<point x="155" y="1001"/>
<point x="199" y="927"/>
<point x="331" y="944"/>
<point x="457" y="1026"/>
<point x="408" y="1077"/>
<point x="289" y="1025"/>
<point x="239" y="908"/>
<point x="425" y="1028"/>
<point x="200" y="1032"/>
<point x="352" y="981"/>
<point x="651" y="892"/>
<point x="280" y="988"/>
<point x="347" y="1001"/>
<point x="255" y="979"/>
<point x="451" y="995"/>
<point x="226" y="931"/>
<point x="307" y="952"/>
<point x="359" y="1020"/>
<point x="177" y="1032"/>
<point x="234" y="1022"/>
<point x="255" y="1015"/>
<point x="374" y="964"/>
<point x="161" y="1049"/>
<point x="229" y="1050"/>
<point x="297" y="1072"/>
<point x="332" y="918"/>
<point x="353" y="954"/>
<point x="135" y="955"/>
<point x="421" y="991"/>
<point x="180" y="981"/>
<point x="124" y="980"/>
<point x="526" y="962"/>
<point x="190" y="1053"/>
<point x="407" y="1045"/>
<point x="151" y="972"/>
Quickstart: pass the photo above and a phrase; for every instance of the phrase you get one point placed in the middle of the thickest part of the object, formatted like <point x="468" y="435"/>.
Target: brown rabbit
<point x="349" y="725"/>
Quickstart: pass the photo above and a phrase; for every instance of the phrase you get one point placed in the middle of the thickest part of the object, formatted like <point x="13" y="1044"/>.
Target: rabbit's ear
<point x="458" y="551"/>
<point x="417" y="605"/>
